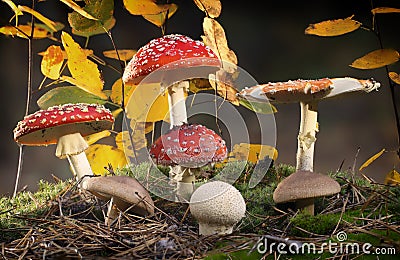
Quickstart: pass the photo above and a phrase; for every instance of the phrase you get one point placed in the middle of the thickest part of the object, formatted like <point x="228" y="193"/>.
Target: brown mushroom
<point x="123" y="192"/>
<point x="302" y="187"/>
<point x="308" y="93"/>
<point x="65" y="125"/>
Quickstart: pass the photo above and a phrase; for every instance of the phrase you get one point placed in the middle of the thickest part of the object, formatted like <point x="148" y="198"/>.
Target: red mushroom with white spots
<point x="65" y="125"/>
<point x="187" y="147"/>
<point x="172" y="54"/>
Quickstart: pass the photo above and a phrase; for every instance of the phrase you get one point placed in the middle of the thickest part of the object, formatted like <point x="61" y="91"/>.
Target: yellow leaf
<point x="376" y="59"/>
<point x="392" y="178"/>
<point x="128" y="143"/>
<point x="141" y="7"/>
<point x="385" y="10"/>
<point x="15" y="9"/>
<point x="91" y="139"/>
<point x="78" y="9"/>
<point x="252" y="152"/>
<point x="333" y="27"/>
<point x="83" y="86"/>
<point x="52" y="62"/>
<point x="124" y="55"/>
<point x="214" y="37"/>
<point x="39" y="16"/>
<point x="147" y="104"/>
<point x="370" y="160"/>
<point x="116" y="112"/>
<point x="24" y="31"/>
<point x="199" y="84"/>
<point x="159" y="19"/>
<point x="84" y="71"/>
<point x="101" y="155"/>
<point x="211" y="7"/>
<point x="223" y="85"/>
<point x="395" y="77"/>
<point x="116" y="92"/>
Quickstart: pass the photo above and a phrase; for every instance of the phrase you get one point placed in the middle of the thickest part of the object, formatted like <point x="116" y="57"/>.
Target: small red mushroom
<point x="65" y="125"/>
<point x="186" y="148"/>
<point x="172" y="53"/>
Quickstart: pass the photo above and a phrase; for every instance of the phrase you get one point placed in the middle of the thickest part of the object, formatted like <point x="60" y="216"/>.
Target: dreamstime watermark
<point x="269" y="244"/>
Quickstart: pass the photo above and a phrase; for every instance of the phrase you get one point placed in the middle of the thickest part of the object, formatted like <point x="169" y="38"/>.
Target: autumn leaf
<point x="15" y="9"/>
<point x="74" y="6"/>
<point x="223" y="85"/>
<point x="128" y="143"/>
<point x="116" y="92"/>
<point x="52" y="62"/>
<point x="39" y="16"/>
<point x="214" y="37"/>
<point x="93" y="138"/>
<point x="376" y="59"/>
<point x="143" y="7"/>
<point x="395" y="77"/>
<point x="102" y="10"/>
<point x="385" y="10"/>
<point x="24" y="31"/>
<point x="85" y="73"/>
<point x="333" y="27"/>
<point x="371" y="159"/>
<point x="159" y="19"/>
<point x="65" y="95"/>
<point x="212" y="8"/>
<point x="59" y="26"/>
<point x="252" y="152"/>
<point x="199" y="84"/>
<point x="123" y="55"/>
<point x="102" y="155"/>
<point x="147" y="104"/>
<point x="392" y="178"/>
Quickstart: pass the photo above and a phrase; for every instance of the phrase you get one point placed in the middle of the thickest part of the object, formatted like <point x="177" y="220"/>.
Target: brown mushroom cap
<point x="125" y="191"/>
<point x="289" y="91"/>
<point x="305" y="185"/>
<point x="45" y="127"/>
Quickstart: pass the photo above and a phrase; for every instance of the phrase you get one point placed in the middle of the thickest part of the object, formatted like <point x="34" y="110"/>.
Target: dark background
<point x="269" y="40"/>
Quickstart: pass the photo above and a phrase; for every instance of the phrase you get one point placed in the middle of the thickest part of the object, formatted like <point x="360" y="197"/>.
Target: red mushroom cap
<point x="289" y="91"/>
<point x="45" y="126"/>
<point x="189" y="145"/>
<point x="168" y="50"/>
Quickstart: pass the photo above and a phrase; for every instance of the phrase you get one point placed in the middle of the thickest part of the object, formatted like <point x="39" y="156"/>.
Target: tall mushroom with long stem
<point x="172" y="54"/>
<point x="65" y="125"/>
<point x="308" y="93"/>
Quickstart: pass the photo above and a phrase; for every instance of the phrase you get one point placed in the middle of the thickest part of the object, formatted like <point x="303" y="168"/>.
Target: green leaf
<point x="258" y="107"/>
<point x="69" y="94"/>
<point x="102" y="10"/>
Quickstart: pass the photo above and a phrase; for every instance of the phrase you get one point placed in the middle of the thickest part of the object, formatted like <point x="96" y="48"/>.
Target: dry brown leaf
<point x="376" y="59"/>
<point x="223" y="85"/>
<point x="333" y="27"/>
<point x="214" y="37"/>
<point x="395" y="77"/>
<point x="212" y="8"/>
<point x="385" y="10"/>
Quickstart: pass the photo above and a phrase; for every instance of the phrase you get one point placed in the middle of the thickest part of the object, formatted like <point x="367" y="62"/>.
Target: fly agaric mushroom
<point x="123" y="192"/>
<point x="171" y="53"/>
<point x="189" y="147"/>
<point x="217" y="206"/>
<point x="65" y="125"/>
<point x="302" y="187"/>
<point x="308" y="93"/>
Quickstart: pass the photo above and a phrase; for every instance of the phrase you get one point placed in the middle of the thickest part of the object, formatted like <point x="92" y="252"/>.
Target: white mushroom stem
<point x="307" y="136"/>
<point x="185" y="178"/>
<point x="72" y="147"/>
<point x="176" y="101"/>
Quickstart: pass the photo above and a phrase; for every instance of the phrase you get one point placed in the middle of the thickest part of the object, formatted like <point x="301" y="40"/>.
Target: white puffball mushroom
<point x="217" y="206"/>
